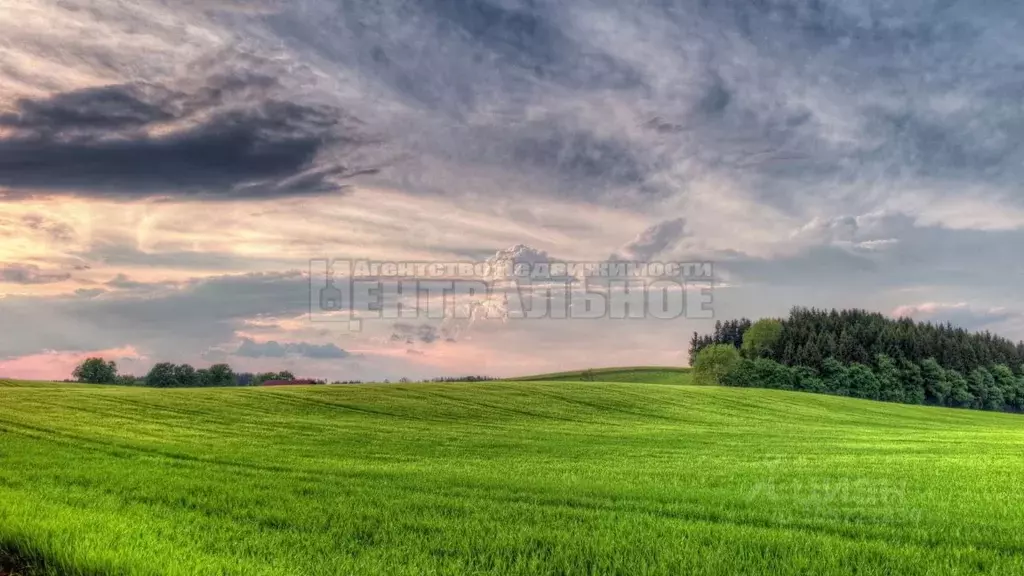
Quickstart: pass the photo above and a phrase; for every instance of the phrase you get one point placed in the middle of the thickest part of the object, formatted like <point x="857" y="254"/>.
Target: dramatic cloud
<point x="234" y="133"/>
<point x="832" y="153"/>
<point x="639" y="98"/>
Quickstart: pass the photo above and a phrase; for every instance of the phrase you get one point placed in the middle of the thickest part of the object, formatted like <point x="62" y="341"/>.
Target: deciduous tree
<point x="96" y="371"/>
<point x="713" y="363"/>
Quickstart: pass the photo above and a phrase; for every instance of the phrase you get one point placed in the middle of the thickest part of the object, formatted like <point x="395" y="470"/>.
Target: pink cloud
<point x="959" y="314"/>
<point x="57" y="365"/>
<point x="926" y="308"/>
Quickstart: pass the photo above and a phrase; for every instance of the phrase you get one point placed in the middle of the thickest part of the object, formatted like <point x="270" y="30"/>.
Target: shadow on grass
<point x="10" y="566"/>
<point x="19" y="560"/>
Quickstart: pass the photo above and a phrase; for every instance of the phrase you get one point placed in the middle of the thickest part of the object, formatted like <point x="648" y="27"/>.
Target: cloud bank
<point x="831" y="153"/>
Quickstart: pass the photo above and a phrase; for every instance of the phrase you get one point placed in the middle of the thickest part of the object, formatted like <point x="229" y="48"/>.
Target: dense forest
<point x="868" y="355"/>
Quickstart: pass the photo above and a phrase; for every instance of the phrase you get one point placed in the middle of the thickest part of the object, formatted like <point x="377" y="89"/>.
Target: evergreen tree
<point x="834" y="377"/>
<point x="862" y="382"/>
<point x="936" y="386"/>
<point x="868" y="355"/>
<point x="959" y="393"/>
<point x="1004" y="393"/>
<point x="889" y="379"/>
<point x="980" y="384"/>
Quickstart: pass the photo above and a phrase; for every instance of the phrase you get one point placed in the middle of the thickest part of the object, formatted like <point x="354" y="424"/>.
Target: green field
<point x="504" y="478"/>
<point x="642" y="374"/>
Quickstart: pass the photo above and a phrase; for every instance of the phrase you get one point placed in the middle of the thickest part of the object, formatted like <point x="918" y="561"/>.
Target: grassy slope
<point x="521" y="478"/>
<point x="30" y="384"/>
<point x="641" y="374"/>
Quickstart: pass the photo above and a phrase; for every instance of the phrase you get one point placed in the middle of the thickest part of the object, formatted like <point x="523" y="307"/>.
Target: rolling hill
<point x="636" y="374"/>
<point x="503" y="478"/>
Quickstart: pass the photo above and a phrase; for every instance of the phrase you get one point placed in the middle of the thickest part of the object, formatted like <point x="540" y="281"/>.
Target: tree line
<point x="809" y="336"/>
<point x="865" y="355"/>
<point x="170" y="375"/>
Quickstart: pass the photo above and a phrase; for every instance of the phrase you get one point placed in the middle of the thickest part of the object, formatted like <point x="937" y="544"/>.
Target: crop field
<point x="643" y="375"/>
<point x="502" y="478"/>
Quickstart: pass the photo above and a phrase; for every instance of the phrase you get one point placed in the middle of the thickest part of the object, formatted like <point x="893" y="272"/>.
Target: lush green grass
<point x="641" y="374"/>
<point x="30" y="384"/>
<point x="504" y="477"/>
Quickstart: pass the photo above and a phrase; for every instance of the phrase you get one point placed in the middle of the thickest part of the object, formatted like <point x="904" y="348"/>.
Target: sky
<point x="168" y="169"/>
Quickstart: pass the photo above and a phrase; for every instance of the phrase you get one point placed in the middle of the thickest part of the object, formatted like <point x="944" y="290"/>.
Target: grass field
<point x="504" y="477"/>
<point x="640" y="374"/>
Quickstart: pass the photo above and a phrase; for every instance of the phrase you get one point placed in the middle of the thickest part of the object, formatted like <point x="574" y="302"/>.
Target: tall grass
<point x="503" y="478"/>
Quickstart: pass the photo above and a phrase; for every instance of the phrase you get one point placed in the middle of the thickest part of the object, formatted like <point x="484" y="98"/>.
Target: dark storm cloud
<point x="103" y="108"/>
<point x="236" y="134"/>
